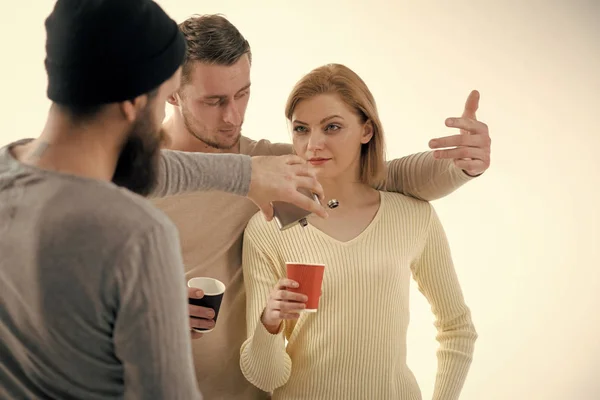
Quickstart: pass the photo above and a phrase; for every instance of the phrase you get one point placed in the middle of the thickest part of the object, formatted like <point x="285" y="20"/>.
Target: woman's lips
<point x="318" y="161"/>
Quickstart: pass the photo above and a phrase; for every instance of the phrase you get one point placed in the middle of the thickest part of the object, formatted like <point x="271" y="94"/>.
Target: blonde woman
<point x="354" y="346"/>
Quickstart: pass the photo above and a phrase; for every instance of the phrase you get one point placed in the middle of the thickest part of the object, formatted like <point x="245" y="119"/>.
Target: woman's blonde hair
<point x="352" y="90"/>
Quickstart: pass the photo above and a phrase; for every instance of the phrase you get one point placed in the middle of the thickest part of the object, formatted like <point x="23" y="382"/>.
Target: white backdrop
<point x="524" y="236"/>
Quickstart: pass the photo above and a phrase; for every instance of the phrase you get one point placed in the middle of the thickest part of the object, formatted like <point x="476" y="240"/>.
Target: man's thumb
<point x="267" y="210"/>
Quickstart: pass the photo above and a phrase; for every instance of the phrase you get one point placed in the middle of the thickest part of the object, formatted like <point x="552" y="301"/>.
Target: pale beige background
<point x="524" y="236"/>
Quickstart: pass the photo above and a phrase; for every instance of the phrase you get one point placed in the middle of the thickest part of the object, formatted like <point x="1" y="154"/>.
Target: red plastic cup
<point x="310" y="279"/>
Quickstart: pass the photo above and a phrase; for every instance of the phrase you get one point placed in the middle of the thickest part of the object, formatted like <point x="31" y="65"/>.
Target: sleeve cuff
<point x="245" y="175"/>
<point x="267" y="341"/>
<point x="460" y="175"/>
<point x="264" y="362"/>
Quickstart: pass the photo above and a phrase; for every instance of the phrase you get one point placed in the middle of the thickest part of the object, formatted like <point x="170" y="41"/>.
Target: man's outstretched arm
<point x="421" y="176"/>
<point x="261" y="179"/>
<point x="180" y="172"/>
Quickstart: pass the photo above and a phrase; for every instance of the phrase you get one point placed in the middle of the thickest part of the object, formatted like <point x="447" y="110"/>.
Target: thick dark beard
<point x="137" y="166"/>
<point x="210" y="143"/>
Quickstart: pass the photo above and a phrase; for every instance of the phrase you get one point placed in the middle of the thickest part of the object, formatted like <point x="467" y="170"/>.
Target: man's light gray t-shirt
<point x="92" y="290"/>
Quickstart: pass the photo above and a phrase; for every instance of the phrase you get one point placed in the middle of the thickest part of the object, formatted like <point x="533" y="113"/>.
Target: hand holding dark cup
<point x="204" y="297"/>
<point x="200" y="317"/>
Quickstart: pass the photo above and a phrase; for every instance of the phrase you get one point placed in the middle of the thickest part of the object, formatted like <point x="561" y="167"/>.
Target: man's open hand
<point x="472" y="147"/>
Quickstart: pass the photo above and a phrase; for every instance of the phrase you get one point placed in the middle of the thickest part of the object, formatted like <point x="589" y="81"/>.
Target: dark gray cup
<point x="213" y="290"/>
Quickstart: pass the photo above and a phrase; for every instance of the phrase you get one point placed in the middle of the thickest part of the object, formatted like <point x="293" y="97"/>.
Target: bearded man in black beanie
<point x="91" y="296"/>
<point x="92" y="293"/>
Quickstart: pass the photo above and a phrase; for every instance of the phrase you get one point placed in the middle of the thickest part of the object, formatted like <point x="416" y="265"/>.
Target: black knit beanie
<point x="106" y="51"/>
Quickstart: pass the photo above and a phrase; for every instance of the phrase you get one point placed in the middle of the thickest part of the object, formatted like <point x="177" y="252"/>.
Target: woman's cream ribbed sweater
<point x="354" y="346"/>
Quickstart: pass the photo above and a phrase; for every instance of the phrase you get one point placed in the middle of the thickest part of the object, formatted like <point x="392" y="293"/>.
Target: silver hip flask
<point x="287" y="215"/>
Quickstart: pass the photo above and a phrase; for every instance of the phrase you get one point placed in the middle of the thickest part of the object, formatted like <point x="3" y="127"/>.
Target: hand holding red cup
<point x="299" y="292"/>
